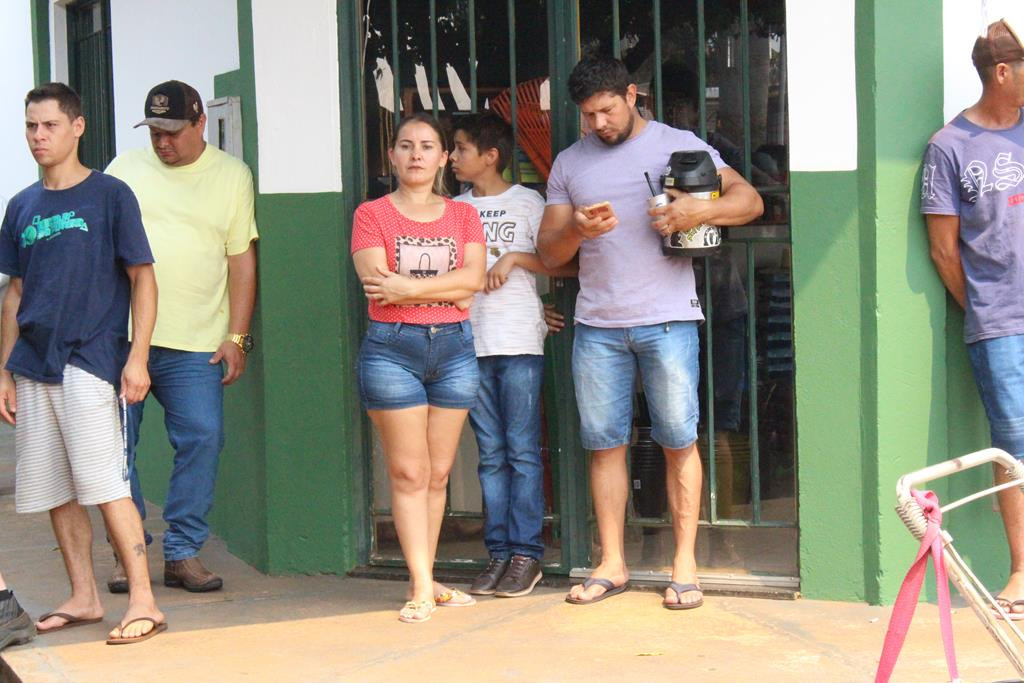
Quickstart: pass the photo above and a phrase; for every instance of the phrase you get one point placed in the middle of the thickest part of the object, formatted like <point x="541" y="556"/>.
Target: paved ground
<point x="327" y="628"/>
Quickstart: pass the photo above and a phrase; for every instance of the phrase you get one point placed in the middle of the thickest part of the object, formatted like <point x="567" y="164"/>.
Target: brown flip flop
<point x="120" y="640"/>
<point x="70" y="620"/>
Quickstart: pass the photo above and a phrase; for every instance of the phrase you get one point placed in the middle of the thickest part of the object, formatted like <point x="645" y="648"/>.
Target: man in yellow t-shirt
<point x="197" y="207"/>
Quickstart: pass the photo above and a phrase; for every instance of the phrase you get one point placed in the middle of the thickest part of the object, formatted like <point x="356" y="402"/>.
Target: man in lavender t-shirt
<point x="972" y="195"/>
<point x="636" y="307"/>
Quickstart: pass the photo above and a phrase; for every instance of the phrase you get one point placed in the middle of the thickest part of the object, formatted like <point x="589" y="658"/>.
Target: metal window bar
<point x="616" y="30"/>
<point x="709" y="400"/>
<point x="752" y="394"/>
<point x="658" y="101"/>
<point x="434" y="93"/>
<point x="396" y="72"/>
<point x="471" y="25"/>
<point x="745" y="84"/>
<point x="702" y="72"/>
<point x="513" y="88"/>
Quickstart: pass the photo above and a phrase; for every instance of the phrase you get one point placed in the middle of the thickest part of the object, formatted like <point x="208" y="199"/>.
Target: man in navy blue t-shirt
<point x="75" y="249"/>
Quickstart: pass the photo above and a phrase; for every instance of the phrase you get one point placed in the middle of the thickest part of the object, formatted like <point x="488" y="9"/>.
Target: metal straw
<point x="650" y="185"/>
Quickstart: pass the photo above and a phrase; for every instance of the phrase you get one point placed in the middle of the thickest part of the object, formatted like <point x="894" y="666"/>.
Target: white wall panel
<point x="18" y="168"/>
<point x="822" y="85"/>
<point x="156" y="41"/>
<point x="296" y="64"/>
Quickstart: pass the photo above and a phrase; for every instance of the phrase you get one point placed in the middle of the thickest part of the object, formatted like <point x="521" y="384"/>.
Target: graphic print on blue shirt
<point x="48" y="228"/>
<point x="70" y="249"/>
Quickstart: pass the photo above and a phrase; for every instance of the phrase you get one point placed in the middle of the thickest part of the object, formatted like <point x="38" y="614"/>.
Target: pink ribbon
<point x="906" y="601"/>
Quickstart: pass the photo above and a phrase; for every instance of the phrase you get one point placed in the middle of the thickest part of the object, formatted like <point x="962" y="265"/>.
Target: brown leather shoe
<point x="118" y="581"/>
<point x="191" y="575"/>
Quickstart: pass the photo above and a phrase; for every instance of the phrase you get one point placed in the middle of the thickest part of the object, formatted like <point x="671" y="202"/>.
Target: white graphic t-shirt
<point x="510" y="320"/>
<point x="978" y="174"/>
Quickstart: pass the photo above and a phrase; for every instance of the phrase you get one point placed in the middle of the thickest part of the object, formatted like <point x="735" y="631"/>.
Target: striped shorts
<point x="67" y="443"/>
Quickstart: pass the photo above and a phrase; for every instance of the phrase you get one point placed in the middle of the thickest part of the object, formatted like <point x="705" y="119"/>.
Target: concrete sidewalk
<point x="327" y="628"/>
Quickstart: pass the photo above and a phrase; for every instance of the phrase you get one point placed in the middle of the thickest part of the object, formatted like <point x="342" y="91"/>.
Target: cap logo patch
<point x="160" y="104"/>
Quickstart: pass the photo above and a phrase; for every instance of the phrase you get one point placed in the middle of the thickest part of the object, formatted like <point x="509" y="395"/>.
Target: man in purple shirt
<point x="972" y="196"/>
<point x="636" y="307"/>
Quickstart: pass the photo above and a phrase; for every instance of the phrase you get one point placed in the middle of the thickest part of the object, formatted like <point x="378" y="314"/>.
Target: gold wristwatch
<point x="244" y="341"/>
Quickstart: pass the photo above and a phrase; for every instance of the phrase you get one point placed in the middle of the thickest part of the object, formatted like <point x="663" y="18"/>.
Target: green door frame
<point x="565" y="447"/>
<point x="358" y="442"/>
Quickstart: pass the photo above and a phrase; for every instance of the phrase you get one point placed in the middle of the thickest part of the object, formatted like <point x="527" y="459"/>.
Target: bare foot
<point x="617" y="574"/>
<point x="88" y="608"/>
<point x="139" y="628"/>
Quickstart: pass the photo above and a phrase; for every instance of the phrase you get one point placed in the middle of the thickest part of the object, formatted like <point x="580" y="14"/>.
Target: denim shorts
<point x="604" y="365"/>
<point x="999" y="373"/>
<point x="402" y="365"/>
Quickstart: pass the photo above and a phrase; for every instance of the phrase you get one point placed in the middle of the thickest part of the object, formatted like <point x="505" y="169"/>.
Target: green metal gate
<point x="90" y="73"/>
<point x="717" y="68"/>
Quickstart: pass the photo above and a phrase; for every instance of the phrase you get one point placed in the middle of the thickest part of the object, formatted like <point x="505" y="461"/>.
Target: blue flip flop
<point x="681" y="588"/>
<point x="610" y="589"/>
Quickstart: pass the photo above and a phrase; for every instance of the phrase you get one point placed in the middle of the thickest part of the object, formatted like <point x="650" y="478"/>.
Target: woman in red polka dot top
<point x="420" y="257"/>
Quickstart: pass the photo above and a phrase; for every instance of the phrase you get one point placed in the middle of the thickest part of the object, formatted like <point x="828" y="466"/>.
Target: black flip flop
<point x="681" y="588"/>
<point x="158" y="627"/>
<point x="610" y="590"/>
<point x="70" y="620"/>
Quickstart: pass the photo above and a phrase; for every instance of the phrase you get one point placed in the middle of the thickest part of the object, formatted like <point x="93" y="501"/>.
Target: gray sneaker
<point x="15" y="625"/>
<point x="522" y="575"/>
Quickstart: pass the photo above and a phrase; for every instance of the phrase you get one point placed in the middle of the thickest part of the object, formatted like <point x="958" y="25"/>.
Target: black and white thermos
<point x="693" y="172"/>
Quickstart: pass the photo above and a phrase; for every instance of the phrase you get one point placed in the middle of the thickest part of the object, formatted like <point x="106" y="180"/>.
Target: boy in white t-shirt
<point x="509" y="330"/>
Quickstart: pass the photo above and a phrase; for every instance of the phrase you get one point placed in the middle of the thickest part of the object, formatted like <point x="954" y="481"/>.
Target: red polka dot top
<point x="418" y="250"/>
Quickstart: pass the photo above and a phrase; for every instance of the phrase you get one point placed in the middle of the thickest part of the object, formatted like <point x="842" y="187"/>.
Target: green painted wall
<point x="883" y="383"/>
<point x="899" y="92"/>
<point x="827" y="324"/>
<point x="309" y="398"/>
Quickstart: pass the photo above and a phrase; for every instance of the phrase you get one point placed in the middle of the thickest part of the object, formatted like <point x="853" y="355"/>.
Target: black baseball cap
<point x="171" y="106"/>
<point x="1000" y="45"/>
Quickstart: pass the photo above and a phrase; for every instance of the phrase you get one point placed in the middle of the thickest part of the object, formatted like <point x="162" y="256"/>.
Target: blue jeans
<point x="999" y="373"/>
<point x="604" y="365"/>
<point x="506" y="420"/>
<point x="401" y="365"/>
<point x="189" y="389"/>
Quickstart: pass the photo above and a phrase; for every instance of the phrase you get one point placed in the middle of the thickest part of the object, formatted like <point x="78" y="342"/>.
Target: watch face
<point x="248" y="343"/>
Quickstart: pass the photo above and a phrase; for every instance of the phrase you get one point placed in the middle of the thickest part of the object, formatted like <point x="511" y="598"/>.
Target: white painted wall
<point x="822" y="92"/>
<point x="962" y="22"/>
<point x="17" y="169"/>
<point x="156" y="41"/>
<point x="296" y="65"/>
